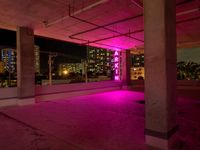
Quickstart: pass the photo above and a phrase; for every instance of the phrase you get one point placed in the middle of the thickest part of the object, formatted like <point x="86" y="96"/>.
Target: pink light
<point x="116" y="59"/>
<point x="116" y="72"/>
<point x="116" y="53"/>
<point x="116" y="77"/>
<point x="116" y="65"/>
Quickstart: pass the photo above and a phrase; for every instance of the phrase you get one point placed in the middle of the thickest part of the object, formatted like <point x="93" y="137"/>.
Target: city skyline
<point x="53" y="45"/>
<point x="47" y="45"/>
<point x="65" y="52"/>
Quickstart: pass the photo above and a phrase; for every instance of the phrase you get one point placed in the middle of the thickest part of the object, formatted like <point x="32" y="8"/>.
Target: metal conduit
<point x="124" y="34"/>
<point x="97" y="43"/>
<point x="112" y="23"/>
<point x="123" y="20"/>
<point x="48" y="24"/>
<point x="138" y="3"/>
<point x="178" y="22"/>
<point x="85" y="21"/>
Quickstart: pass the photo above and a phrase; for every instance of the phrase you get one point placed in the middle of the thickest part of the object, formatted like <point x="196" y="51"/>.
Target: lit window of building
<point x="100" y="60"/>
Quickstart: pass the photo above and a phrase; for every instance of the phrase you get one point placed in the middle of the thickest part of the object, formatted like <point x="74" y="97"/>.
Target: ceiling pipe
<point x="126" y="19"/>
<point x="85" y="21"/>
<point x="140" y="15"/>
<point x="187" y="12"/>
<point x="190" y="10"/>
<point x="137" y="3"/>
<point x="124" y="34"/>
<point x="109" y="24"/>
<point x="138" y="31"/>
<point x="184" y="44"/>
<point x="86" y="41"/>
<point x="48" y="24"/>
<point x="116" y="47"/>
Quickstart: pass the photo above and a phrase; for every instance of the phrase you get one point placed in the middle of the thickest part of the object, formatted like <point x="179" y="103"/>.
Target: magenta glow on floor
<point x="105" y="121"/>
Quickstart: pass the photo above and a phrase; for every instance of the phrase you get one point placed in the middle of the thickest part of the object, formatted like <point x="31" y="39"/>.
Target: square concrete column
<point x="125" y="68"/>
<point x="160" y="73"/>
<point x="25" y="63"/>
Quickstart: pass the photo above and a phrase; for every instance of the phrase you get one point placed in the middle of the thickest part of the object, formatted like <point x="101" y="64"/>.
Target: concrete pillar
<point x="125" y="68"/>
<point x="160" y="73"/>
<point x="25" y="63"/>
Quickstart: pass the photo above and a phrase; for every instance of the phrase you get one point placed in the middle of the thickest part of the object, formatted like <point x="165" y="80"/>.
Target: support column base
<point x="155" y="143"/>
<point x="16" y="102"/>
<point x="160" y="142"/>
<point x="26" y="101"/>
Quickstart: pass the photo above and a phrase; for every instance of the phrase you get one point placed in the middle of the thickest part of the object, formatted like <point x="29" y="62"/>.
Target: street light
<point x="86" y="70"/>
<point x="65" y="72"/>
<point x="50" y="62"/>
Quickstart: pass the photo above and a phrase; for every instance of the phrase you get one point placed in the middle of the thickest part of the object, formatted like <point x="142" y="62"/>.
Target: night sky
<point x="8" y="40"/>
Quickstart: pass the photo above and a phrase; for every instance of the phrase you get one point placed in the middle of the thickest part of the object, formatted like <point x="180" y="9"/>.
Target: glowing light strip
<point x="116" y="65"/>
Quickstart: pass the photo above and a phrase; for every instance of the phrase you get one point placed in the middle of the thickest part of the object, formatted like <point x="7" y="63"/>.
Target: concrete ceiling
<point x="113" y="24"/>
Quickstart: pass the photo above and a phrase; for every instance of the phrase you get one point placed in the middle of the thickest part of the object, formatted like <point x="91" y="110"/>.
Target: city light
<point x="65" y="72"/>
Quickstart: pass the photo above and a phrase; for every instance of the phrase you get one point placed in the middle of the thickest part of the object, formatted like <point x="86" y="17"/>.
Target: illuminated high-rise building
<point x="1" y="67"/>
<point x="37" y="58"/>
<point x="66" y="68"/>
<point x="99" y="60"/>
<point x="137" y="67"/>
<point x="138" y="60"/>
<point x="8" y="57"/>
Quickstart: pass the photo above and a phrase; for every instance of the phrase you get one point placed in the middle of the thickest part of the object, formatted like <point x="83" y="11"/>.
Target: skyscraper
<point x="137" y="66"/>
<point x="37" y="58"/>
<point x="66" y="68"/>
<point x="1" y="67"/>
<point x="8" y="57"/>
<point x="99" y="60"/>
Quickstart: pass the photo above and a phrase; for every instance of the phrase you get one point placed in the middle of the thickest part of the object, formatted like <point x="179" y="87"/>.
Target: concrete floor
<point x="105" y="121"/>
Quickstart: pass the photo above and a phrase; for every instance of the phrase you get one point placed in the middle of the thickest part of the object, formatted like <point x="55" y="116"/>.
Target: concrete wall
<point x="181" y="84"/>
<point x="8" y="96"/>
<point x="188" y="84"/>
<point x="7" y="93"/>
<point x="62" y="91"/>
